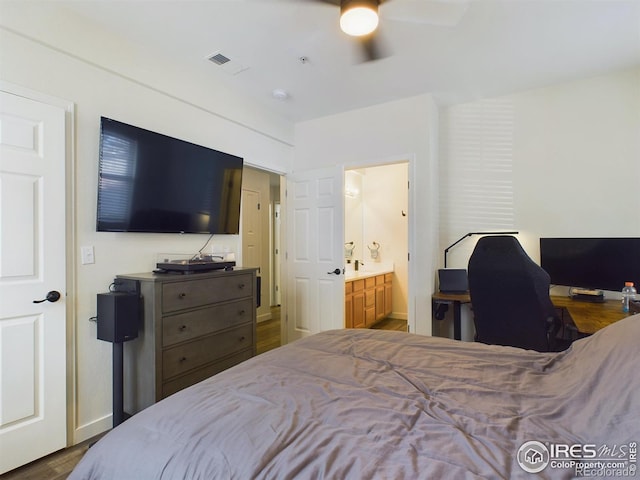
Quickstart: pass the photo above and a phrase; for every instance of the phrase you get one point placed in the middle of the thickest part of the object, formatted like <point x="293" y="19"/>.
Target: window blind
<point x="476" y="168"/>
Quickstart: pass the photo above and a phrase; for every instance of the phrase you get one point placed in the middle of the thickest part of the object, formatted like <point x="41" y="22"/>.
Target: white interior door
<point x="251" y="229"/>
<point x="32" y="335"/>
<point x="255" y="232"/>
<point x="253" y="244"/>
<point x="315" y="232"/>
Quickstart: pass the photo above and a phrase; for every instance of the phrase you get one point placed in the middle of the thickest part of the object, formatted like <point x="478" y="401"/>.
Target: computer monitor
<point x="453" y="280"/>
<point x="595" y="263"/>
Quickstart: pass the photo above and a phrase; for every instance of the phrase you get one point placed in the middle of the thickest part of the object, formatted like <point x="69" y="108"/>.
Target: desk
<point x="590" y="317"/>
<point x="455" y="299"/>
<point x="587" y="317"/>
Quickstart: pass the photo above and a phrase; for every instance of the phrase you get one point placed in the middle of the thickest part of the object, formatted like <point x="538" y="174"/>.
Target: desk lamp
<point x="446" y="250"/>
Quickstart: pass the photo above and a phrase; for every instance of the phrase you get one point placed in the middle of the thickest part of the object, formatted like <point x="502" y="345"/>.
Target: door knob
<point x="52" y="296"/>
<point x="337" y="271"/>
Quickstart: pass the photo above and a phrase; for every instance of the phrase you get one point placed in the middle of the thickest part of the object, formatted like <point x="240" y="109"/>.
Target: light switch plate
<point x="87" y="256"/>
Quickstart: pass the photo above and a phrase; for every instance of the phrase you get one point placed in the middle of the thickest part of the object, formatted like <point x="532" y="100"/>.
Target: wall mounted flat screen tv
<point x="597" y="263"/>
<point x="149" y="182"/>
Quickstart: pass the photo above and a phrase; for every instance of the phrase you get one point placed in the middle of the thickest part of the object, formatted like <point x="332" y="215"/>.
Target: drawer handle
<point x="242" y="339"/>
<point x="241" y="313"/>
<point x="182" y="328"/>
<point x="241" y="286"/>
<point x="182" y="295"/>
<point x="183" y="359"/>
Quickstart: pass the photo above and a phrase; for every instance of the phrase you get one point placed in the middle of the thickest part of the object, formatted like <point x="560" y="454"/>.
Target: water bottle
<point x="628" y="293"/>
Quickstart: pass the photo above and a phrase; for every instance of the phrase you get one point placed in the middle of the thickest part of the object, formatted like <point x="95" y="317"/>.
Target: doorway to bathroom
<point x="377" y="229"/>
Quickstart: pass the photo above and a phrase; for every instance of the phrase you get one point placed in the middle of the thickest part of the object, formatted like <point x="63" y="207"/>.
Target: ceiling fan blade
<point x="373" y="48"/>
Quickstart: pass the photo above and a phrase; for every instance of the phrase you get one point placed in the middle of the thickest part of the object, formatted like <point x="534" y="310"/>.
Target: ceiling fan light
<point x="360" y="19"/>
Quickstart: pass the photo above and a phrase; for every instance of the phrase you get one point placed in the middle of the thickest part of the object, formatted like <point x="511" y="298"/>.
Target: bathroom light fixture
<point x="358" y="17"/>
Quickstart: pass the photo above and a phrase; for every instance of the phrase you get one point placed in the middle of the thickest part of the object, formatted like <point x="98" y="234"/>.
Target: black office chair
<point x="510" y="297"/>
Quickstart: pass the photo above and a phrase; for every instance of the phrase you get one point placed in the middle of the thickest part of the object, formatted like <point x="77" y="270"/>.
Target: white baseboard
<point x="90" y="430"/>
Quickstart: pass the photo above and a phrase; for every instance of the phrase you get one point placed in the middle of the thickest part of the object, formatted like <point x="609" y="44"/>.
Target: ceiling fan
<point x="360" y="18"/>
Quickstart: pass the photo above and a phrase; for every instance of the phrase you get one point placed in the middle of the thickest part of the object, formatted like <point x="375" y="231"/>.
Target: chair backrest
<point x="509" y="295"/>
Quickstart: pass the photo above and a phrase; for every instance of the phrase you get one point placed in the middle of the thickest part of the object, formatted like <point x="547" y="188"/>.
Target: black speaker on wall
<point x="118" y="316"/>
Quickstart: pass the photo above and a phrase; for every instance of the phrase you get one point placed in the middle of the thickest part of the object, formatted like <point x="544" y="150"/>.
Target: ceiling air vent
<point x="219" y="59"/>
<point x="230" y="66"/>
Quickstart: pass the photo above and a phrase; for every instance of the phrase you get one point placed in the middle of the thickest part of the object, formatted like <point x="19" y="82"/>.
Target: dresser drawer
<point x="194" y="323"/>
<point x="199" y="292"/>
<point x="188" y="356"/>
<point x="183" y="381"/>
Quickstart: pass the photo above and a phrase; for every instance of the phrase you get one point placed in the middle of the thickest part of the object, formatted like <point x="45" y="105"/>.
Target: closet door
<point x="32" y="269"/>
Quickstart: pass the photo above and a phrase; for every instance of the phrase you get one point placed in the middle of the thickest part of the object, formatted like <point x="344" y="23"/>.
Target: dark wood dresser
<point x="193" y="326"/>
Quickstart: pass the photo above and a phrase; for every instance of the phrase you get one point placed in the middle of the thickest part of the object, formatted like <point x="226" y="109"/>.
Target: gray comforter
<point x="370" y="404"/>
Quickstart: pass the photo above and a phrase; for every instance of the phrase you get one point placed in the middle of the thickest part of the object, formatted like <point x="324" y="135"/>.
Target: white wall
<point x="404" y="130"/>
<point x="577" y="158"/>
<point x="385" y="197"/>
<point x="60" y="55"/>
<point x="576" y="161"/>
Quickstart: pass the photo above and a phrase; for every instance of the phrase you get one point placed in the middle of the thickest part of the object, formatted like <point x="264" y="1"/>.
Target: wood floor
<point x="268" y="332"/>
<point x="59" y="465"/>
<point x="391" y="324"/>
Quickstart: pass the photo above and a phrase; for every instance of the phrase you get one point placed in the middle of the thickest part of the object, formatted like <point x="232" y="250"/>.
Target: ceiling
<point x="469" y="49"/>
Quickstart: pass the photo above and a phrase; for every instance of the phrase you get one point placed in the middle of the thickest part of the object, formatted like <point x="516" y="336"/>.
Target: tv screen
<point x="598" y="263"/>
<point x="149" y="182"/>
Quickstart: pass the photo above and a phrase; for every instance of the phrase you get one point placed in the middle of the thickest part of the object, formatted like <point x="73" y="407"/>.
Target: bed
<point x="372" y="404"/>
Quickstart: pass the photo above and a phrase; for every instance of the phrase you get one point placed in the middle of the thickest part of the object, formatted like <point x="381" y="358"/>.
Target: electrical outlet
<point x="87" y="256"/>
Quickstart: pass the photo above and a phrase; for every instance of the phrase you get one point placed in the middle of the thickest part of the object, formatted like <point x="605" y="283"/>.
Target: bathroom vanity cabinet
<point x="368" y="299"/>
